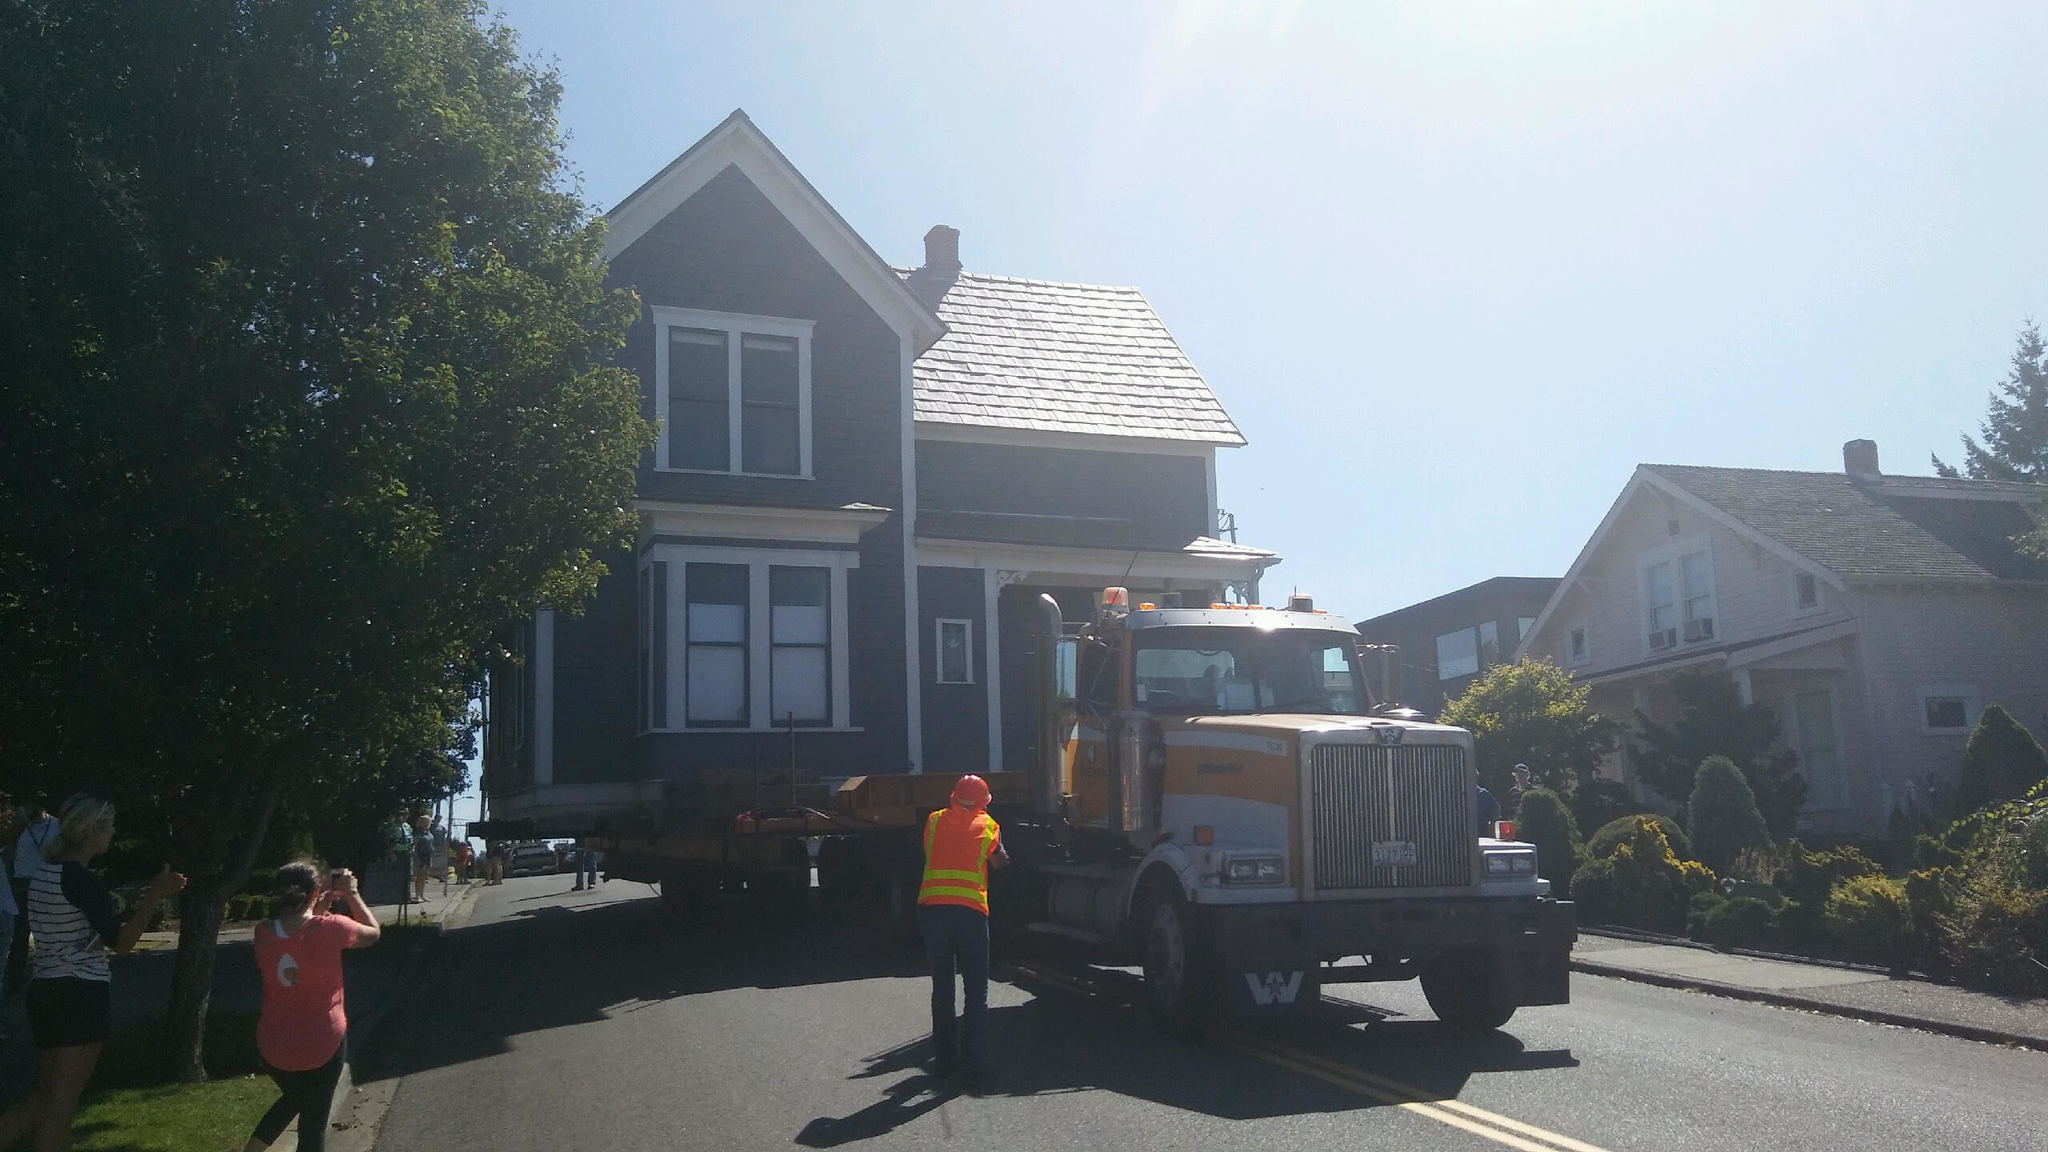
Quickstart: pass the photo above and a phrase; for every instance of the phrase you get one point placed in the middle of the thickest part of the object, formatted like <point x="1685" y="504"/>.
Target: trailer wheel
<point x="1466" y="992"/>
<point x="1176" y="954"/>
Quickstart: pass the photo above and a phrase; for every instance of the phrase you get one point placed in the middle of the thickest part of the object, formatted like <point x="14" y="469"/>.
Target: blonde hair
<point x="79" y="818"/>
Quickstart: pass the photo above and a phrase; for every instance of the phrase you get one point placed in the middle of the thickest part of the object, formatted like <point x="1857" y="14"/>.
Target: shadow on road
<point x="559" y="966"/>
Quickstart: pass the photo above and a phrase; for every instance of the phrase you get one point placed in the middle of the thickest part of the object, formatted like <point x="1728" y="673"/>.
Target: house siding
<point x="727" y="249"/>
<point x="955" y="716"/>
<point x="1062" y="497"/>
<point x="1992" y="639"/>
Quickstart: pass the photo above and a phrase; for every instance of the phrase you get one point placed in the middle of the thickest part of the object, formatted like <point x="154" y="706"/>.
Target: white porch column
<point x="1743" y="691"/>
<point x="992" y="663"/>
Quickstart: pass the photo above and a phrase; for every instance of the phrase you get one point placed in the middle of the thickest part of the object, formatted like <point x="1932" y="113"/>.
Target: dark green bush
<point x="1615" y="831"/>
<point x="1807" y="879"/>
<point x="2002" y="762"/>
<point x="1741" y="922"/>
<point x="1698" y="909"/>
<point x="1722" y="814"/>
<point x="1601" y="801"/>
<point x="1872" y="920"/>
<point x="1545" y="822"/>
<point x="1641" y="884"/>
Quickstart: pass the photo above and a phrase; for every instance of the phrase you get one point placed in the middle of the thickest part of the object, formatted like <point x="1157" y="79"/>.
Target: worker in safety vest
<point x="961" y="843"/>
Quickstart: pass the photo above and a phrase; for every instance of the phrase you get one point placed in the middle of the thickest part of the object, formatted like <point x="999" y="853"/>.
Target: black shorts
<point x="66" y="1012"/>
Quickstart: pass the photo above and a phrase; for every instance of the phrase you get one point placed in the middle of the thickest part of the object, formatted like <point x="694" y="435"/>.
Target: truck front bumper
<point x="1273" y="954"/>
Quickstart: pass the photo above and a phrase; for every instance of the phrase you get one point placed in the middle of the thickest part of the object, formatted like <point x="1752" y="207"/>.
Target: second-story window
<point x="1678" y="597"/>
<point x="732" y="393"/>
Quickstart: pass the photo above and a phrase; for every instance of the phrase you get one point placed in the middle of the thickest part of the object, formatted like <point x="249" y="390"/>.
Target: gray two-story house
<point x="1876" y="615"/>
<point x="864" y="477"/>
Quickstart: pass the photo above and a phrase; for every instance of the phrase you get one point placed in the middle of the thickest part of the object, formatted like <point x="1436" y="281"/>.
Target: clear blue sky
<point x="1455" y="269"/>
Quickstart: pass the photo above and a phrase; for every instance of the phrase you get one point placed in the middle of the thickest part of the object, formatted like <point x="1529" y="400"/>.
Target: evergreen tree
<point x="1545" y="822"/>
<point x="1723" y="814"/>
<point x="2015" y="429"/>
<point x="1712" y="721"/>
<point x="2002" y="762"/>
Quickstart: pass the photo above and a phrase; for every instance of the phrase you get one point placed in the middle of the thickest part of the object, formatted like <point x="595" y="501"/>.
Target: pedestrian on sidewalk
<point x="302" y="1034"/>
<point x="422" y="858"/>
<point x="70" y="985"/>
<point x="961" y="843"/>
<point x="494" y="862"/>
<point x="40" y="828"/>
<point x="586" y="864"/>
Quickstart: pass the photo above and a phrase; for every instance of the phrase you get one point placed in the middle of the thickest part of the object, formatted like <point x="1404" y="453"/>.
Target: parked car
<point x="532" y="860"/>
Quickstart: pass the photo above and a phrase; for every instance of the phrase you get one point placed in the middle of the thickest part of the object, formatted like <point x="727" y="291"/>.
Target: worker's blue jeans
<point x="957" y="936"/>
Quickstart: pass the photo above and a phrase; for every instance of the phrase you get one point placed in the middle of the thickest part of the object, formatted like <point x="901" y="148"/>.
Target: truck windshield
<point x="1224" y="671"/>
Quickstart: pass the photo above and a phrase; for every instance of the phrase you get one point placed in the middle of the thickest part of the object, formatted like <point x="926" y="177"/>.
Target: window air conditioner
<point x="1700" y="629"/>
<point x="1664" y="638"/>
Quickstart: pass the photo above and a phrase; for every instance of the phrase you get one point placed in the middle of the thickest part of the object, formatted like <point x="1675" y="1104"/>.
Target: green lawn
<point x="211" y="1117"/>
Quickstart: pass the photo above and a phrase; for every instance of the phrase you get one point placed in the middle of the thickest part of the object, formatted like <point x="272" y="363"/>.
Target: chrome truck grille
<point x="1391" y="817"/>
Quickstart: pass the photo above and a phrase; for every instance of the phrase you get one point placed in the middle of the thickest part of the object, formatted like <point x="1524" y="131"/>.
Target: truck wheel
<point x="1465" y="992"/>
<point x="1175" y="959"/>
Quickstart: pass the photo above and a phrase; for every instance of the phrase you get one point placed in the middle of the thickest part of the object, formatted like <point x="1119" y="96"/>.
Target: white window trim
<point x="939" y="649"/>
<point x="735" y="325"/>
<point x="1580" y="660"/>
<point x="1674" y="553"/>
<point x="1973" y="707"/>
<point x="1819" y="596"/>
<point x="757" y="561"/>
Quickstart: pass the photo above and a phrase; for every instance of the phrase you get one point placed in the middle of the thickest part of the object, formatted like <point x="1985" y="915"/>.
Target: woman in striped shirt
<point x="72" y="918"/>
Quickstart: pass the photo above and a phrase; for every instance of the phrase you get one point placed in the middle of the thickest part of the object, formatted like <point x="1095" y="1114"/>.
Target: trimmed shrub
<point x="1722" y="814"/>
<point x="1699" y="908"/>
<point x="1614" y="832"/>
<point x="1807" y="880"/>
<point x="1641" y="884"/>
<point x="1545" y="822"/>
<point x="2002" y="762"/>
<point x="1741" y="922"/>
<point x="1872" y="919"/>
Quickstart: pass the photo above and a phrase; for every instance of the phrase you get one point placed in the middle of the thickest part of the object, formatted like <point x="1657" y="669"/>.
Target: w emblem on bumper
<point x="1272" y="988"/>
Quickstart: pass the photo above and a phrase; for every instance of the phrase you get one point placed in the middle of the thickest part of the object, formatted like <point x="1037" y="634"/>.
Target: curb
<point x="365" y="1106"/>
<point x="1808" y="1004"/>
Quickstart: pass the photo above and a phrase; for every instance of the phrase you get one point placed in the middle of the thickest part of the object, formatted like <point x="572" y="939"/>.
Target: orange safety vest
<point x="956" y="851"/>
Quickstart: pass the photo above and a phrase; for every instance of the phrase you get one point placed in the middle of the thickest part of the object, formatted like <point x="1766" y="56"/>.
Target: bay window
<point x="743" y="638"/>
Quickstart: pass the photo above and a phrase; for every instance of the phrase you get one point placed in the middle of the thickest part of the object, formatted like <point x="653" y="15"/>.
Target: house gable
<point x="1721" y="586"/>
<point x="736" y="144"/>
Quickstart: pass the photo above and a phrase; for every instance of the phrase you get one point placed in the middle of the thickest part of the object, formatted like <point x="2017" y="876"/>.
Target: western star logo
<point x="1270" y="988"/>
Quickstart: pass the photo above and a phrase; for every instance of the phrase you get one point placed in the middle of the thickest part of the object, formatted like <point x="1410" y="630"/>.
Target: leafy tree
<point x="1713" y="721"/>
<point x="1642" y="884"/>
<point x="1545" y="822"/>
<point x="2002" y="762"/>
<point x="1530" y="712"/>
<point x="2015" y="429"/>
<point x="307" y="393"/>
<point x="1723" y="815"/>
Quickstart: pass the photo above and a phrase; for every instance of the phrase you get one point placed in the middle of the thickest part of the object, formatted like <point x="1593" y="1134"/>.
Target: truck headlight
<point x="1254" y="870"/>
<point x="1518" y="862"/>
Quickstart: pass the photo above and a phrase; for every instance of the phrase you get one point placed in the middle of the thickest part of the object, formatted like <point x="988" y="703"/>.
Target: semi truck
<point x="1218" y="799"/>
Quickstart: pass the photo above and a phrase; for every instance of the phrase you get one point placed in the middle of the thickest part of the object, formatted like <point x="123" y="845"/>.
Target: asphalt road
<point x="568" y="1021"/>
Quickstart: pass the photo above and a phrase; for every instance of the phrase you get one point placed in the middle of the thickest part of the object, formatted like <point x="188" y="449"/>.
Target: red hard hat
<point x="972" y="791"/>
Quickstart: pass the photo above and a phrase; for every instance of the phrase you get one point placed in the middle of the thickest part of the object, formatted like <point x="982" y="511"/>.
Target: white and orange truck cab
<point x="1220" y="800"/>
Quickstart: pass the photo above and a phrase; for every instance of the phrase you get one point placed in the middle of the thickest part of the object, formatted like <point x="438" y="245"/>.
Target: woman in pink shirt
<point x="303" y="1032"/>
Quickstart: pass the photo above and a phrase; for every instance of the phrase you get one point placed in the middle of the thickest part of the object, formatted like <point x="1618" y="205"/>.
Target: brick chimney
<point x="1859" y="459"/>
<point x="942" y="250"/>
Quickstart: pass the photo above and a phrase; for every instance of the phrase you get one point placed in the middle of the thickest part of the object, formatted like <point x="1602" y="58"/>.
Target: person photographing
<point x="70" y="986"/>
<point x="302" y="1034"/>
<point x="961" y="843"/>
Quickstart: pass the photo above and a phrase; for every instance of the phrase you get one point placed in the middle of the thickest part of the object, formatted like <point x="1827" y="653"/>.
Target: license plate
<point x="1388" y="853"/>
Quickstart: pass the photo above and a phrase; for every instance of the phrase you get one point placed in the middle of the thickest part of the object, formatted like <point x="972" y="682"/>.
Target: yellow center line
<point x="1457" y="1114"/>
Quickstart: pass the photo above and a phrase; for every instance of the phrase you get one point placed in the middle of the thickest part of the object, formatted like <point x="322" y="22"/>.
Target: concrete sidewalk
<point x="1853" y="992"/>
<point x="441" y="901"/>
